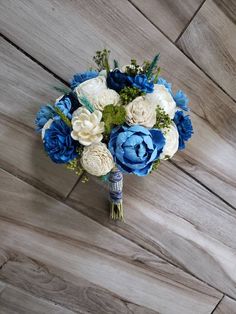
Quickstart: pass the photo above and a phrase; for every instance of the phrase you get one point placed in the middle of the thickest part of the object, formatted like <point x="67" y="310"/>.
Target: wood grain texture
<point x="46" y="231"/>
<point x="175" y="218"/>
<point x="131" y="283"/>
<point x="21" y="153"/>
<point x="226" y="306"/>
<point x="58" y="286"/>
<point x="2" y="286"/>
<point x="24" y="85"/>
<point x="64" y="49"/>
<point x="16" y="301"/>
<point x="169" y="16"/>
<point x="210" y="40"/>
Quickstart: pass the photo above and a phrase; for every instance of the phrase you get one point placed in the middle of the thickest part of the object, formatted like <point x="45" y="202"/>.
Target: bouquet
<point x="115" y="120"/>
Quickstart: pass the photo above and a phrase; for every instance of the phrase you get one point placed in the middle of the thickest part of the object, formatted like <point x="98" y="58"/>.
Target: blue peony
<point x="168" y="86"/>
<point x="184" y="126"/>
<point x="181" y="100"/>
<point x="73" y="99"/>
<point x="141" y="82"/>
<point x="79" y="78"/>
<point x="117" y="80"/>
<point x="58" y="143"/>
<point x="135" y="148"/>
<point x="64" y="105"/>
<point x="45" y="113"/>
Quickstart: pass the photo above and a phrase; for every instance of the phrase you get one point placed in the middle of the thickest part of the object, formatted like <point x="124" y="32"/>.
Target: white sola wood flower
<point x="97" y="160"/>
<point x="161" y="97"/>
<point x="141" y="112"/>
<point x="97" y="93"/>
<point x="172" y="142"/>
<point x="104" y="98"/>
<point x="87" y="127"/>
<point x="91" y="87"/>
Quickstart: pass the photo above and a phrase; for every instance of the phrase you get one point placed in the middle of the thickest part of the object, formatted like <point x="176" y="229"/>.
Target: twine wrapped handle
<point x="115" y="190"/>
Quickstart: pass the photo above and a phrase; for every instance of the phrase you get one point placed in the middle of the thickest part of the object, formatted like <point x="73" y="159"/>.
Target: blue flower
<point x="117" y="80"/>
<point x="168" y="86"/>
<point x="181" y="100"/>
<point x="64" y="105"/>
<point x="73" y="99"/>
<point x="79" y="78"/>
<point x="184" y="126"/>
<point x="45" y="113"/>
<point x="58" y="143"/>
<point x="135" y="148"/>
<point x="141" y="82"/>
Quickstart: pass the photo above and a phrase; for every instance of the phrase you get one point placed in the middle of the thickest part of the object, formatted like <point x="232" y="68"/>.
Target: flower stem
<point x="117" y="211"/>
<point x="115" y="191"/>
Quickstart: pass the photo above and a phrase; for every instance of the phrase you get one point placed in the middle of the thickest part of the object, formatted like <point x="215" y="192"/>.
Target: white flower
<point x="131" y="66"/>
<point x="172" y="142"/>
<point x="45" y="127"/>
<point x="87" y="126"/>
<point x="92" y="87"/>
<point x="103" y="73"/>
<point x="97" y="160"/>
<point x="161" y="97"/>
<point x="104" y="98"/>
<point x="141" y="112"/>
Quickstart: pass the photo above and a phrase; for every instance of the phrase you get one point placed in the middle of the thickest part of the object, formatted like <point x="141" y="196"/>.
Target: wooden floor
<point x="176" y="251"/>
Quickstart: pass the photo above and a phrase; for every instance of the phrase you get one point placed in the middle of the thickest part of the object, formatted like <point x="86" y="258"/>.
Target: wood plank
<point x="210" y="40"/>
<point x="226" y="306"/>
<point x="29" y="161"/>
<point x="49" y="232"/>
<point x="175" y="218"/>
<point x="130" y="282"/>
<point x="16" y="301"/>
<point x="58" y="286"/>
<point x="2" y="286"/>
<point x="65" y="50"/>
<point x="24" y="85"/>
<point x="169" y="16"/>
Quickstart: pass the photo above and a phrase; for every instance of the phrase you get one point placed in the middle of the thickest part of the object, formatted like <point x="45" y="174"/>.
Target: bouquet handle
<point x="116" y="190"/>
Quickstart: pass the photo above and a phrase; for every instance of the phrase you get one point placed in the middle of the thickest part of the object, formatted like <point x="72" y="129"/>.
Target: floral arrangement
<point x="114" y="121"/>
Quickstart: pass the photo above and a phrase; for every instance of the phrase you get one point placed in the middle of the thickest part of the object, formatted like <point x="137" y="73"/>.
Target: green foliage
<point x="157" y="75"/>
<point x="128" y="94"/>
<point x="105" y="178"/>
<point x="102" y="60"/>
<point x="75" y="166"/>
<point x="162" y="119"/>
<point x="113" y="115"/>
<point x="166" y="157"/>
<point x="116" y="64"/>
<point x="153" y="66"/>
<point x="156" y="164"/>
<point x="145" y="66"/>
<point x="86" y="103"/>
<point x="132" y="69"/>
<point x="63" y="90"/>
<point x="62" y="116"/>
<point x="84" y="178"/>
